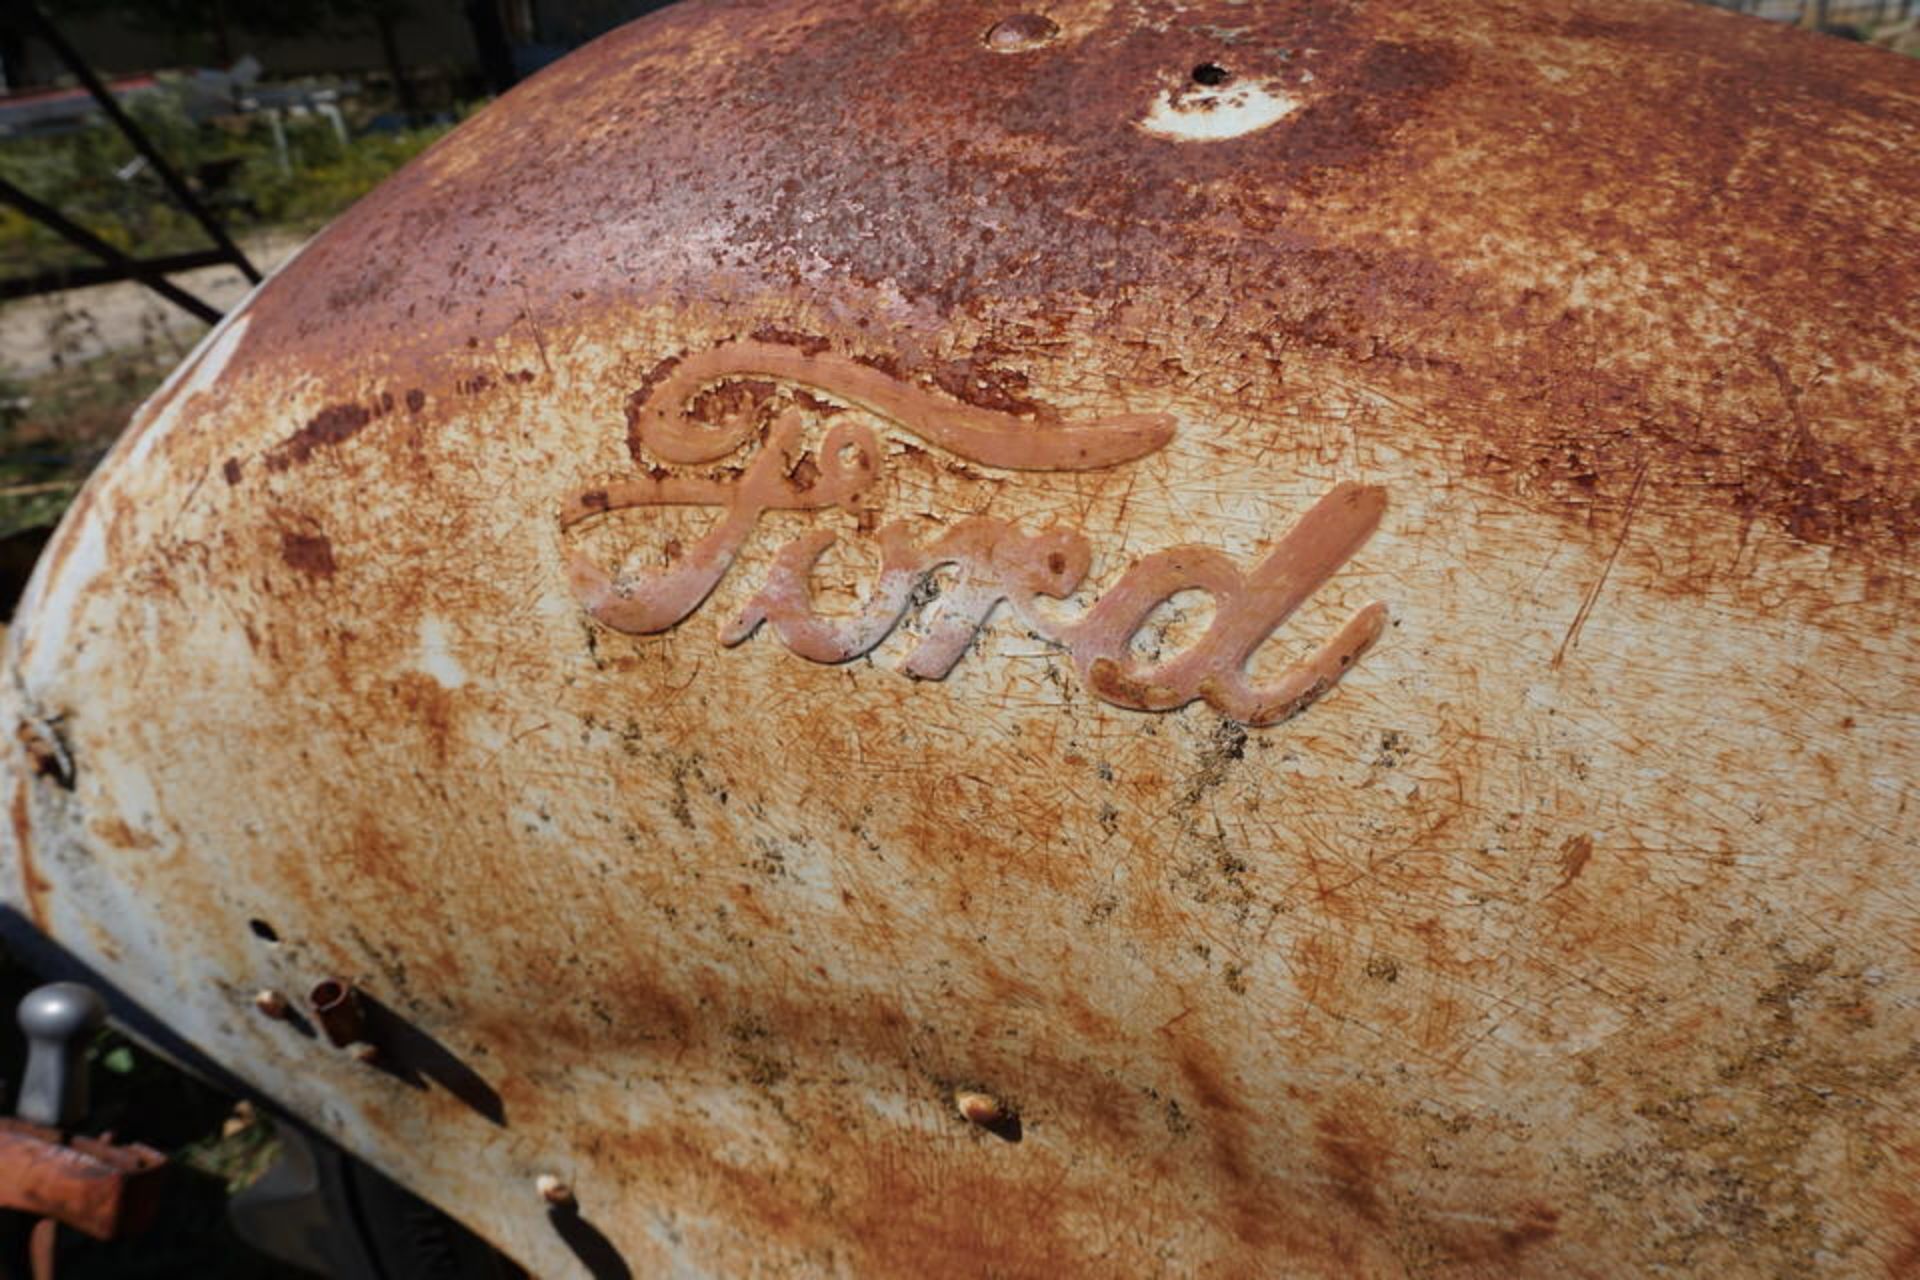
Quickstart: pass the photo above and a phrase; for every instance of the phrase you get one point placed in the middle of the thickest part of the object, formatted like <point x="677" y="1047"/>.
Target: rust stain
<point x="1903" y="1262"/>
<point x="1356" y="1165"/>
<point x="118" y="834"/>
<point x="332" y="426"/>
<point x="1580" y="616"/>
<point x="430" y="705"/>
<point x="310" y="553"/>
<point x="1574" y="856"/>
<point x="33" y="886"/>
<point x="1471" y="328"/>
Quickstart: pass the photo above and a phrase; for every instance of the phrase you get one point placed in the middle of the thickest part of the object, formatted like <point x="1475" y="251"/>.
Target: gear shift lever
<point x="59" y="1019"/>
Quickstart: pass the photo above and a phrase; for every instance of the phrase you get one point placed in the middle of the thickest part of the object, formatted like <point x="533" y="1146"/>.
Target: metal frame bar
<point x="117" y="266"/>
<point x="82" y="277"/>
<point x="42" y="27"/>
<point x="79" y="236"/>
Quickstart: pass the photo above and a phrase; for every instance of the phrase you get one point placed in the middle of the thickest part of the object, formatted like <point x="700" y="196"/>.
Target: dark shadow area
<point x="595" y="1251"/>
<point x="301" y="1024"/>
<point x="411" y="1055"/>
<point x="192" y="1229"/>
<point x="18" y="553"/>
<point x="139" y="1097"/>
<point x="1006" y="1127"/>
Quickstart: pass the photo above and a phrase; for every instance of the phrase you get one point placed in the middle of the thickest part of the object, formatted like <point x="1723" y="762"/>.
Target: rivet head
<point x="271" y="1003"/>
<point x="980" y="1108"/>
<point x="1021" y="32"/>
<point x="553" y="1190"/>
<point x="239" y="1120"/>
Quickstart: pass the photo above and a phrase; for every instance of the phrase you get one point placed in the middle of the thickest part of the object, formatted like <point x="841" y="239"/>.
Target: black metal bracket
<point x="115" y="265"/>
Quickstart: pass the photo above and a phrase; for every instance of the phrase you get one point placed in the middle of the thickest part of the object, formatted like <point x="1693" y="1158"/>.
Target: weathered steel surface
<point x="1558" y="362"/>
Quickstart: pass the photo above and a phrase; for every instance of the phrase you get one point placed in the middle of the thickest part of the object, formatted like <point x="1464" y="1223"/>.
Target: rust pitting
<point x="46" y="750"/>
<point x="1376" y="282"/>
<point x="310" y="553"/>
<point x="332" y="426"/>
<point x="93" y="1185"/>
<point x="637" y="402"/>
<point x="811" y="344"/>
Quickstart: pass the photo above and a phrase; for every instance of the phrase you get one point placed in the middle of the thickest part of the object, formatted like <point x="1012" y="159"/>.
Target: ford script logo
<point x="764" y="400"/>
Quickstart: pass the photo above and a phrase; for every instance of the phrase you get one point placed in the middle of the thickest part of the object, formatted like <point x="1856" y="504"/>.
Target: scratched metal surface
<point x="1538" y="901"/>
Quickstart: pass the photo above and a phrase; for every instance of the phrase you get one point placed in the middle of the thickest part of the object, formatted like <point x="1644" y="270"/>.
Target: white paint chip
<point x="1192" y="114"/>
<point x="436" y="654"/>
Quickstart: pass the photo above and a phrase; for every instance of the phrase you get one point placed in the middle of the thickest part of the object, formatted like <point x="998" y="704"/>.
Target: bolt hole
<point x="1211" y="74"/>
<point x="263" y="931"/>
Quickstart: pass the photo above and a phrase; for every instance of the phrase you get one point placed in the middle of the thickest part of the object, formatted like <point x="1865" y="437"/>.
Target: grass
<point x="55" y="426"/>
<point x="93" y="178"/>
<point x="54" y="429"/>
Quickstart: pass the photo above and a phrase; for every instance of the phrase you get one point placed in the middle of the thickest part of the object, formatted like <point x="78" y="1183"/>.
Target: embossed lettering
<point x="994" y="561"/>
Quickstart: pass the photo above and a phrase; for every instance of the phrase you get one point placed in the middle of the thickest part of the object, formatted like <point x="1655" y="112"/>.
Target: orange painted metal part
<point x="1105" y="638"/>
<point x="90" y="1184"/>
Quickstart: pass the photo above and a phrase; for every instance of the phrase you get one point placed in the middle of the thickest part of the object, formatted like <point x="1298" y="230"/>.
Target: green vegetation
<point x="325" y="177"/>
<point x="237" y="166"/>
<point x="55" y="427"/>
<point x="55" y="424"/>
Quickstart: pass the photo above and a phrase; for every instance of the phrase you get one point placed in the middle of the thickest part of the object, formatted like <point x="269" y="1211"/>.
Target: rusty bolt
<point x="336" y="1005"/>
<point x="46" y="752"/>
<point x="1021" y="32"/>
<point x="553" y="1190"/>
<point x="982" y="1109"/>
<point x="272" y="1003"/>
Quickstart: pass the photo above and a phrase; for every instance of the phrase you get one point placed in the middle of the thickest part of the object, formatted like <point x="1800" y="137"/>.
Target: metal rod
<point x="109" y="104"/>
<point x="83" y="277"/>
<point x="54" y="221"/>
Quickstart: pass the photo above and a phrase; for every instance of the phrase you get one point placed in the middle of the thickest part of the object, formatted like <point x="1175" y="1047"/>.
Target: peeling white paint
<point x="1194" y="114"/>
<point x="436" y="654"/>
<point x="197" y="373"/>
<point x="51" y="601"/>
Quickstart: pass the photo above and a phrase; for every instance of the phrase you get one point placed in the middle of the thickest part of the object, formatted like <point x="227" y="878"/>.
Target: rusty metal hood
<point x="1207" y="639"/>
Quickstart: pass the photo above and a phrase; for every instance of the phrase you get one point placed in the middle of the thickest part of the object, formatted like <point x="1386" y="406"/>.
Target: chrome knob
<point x="59" y="1020"/>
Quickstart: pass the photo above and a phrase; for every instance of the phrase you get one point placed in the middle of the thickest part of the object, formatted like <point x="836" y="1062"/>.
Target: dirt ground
<point x="73" y="367"/>
<point x="38" y="335"/>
